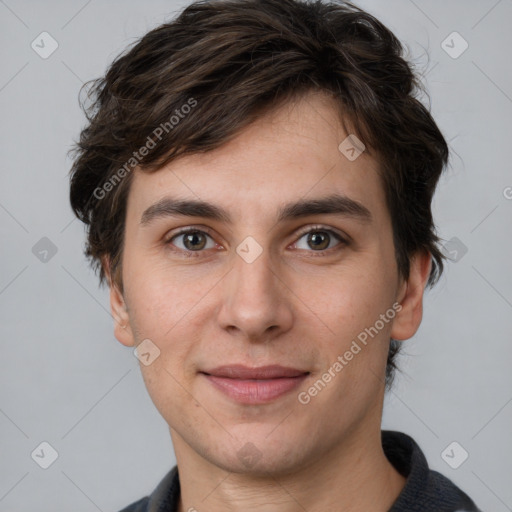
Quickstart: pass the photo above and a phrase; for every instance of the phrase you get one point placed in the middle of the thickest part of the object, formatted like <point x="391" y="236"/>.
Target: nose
<point x="255" y="300"/>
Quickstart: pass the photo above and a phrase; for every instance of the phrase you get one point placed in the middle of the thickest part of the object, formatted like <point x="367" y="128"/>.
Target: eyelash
<point x="194" y="254"/>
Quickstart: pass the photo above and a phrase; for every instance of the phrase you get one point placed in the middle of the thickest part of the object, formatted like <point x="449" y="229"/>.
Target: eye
<point x="192" y="240"/>
<point x="319" y="239"/>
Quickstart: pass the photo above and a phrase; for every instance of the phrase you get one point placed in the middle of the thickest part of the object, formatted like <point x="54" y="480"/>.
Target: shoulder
<point x="442" y="491"/>
<point x="138" y="506"/>
<point x="164" y="497"/>
<point x="425" y="490"/>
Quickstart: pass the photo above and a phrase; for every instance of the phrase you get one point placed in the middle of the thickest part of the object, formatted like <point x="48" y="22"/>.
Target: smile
<point x="255" y="385"/>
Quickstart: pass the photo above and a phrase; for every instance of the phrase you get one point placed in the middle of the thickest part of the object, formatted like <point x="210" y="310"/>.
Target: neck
<point x="356" y="477"/>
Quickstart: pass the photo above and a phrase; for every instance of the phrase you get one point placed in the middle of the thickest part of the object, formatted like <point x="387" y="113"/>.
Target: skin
<point x="295" y="305"/>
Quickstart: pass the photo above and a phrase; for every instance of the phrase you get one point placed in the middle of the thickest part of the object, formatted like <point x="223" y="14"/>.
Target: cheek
<point x="163" y="312"/>
<point x="352" y="304"/>
<point x="352" y="298"/>
<point x="159" y="299"/>
<point x="169" y="307"/>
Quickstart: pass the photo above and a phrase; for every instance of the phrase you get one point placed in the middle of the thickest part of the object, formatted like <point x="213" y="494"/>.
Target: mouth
<point x="255" y="385"/>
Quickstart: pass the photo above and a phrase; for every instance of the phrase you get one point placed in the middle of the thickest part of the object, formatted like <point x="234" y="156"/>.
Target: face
<point x="288" y="261"/>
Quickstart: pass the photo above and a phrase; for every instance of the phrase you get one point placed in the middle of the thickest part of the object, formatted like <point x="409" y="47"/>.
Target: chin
<point x="261" y="464"/>
<point x="257" y="456"/>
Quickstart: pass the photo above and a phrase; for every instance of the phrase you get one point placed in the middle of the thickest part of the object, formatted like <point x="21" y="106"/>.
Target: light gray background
<point x="66" y="380"/>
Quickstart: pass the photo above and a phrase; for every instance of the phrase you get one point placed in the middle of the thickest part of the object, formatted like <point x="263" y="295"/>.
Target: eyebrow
<point x="332" y="204"/>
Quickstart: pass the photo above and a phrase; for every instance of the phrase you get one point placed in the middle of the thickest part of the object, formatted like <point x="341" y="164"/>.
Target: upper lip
<point x="239" y="371"/>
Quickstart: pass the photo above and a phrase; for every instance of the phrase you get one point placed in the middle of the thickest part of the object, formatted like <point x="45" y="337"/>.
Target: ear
<point x="122" y="328"/>
<point x="410" y="296"/>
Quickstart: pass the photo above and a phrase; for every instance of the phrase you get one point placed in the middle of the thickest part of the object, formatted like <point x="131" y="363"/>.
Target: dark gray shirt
<point x="425" y="490"/>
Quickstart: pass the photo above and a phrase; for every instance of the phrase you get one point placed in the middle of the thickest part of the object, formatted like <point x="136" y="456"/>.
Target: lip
<point x="255" y="385"/>
<point x="240" y="371"/>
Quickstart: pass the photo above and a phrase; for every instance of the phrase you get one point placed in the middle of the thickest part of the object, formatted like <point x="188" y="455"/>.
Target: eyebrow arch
<point x="332" y="204"/>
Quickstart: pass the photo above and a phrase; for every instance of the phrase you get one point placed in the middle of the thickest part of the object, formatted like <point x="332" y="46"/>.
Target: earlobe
<point x="410" y="296"/>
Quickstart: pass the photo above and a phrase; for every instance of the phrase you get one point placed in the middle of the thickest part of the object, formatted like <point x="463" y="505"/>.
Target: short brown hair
<point x="233" y="60"/>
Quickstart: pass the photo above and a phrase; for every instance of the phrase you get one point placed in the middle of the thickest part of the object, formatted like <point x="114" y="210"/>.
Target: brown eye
<point x="192" y="240"/>
<point x="318" y="240"/>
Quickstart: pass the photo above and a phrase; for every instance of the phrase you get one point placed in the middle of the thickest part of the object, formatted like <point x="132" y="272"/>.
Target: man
<point x="257" y="179"/>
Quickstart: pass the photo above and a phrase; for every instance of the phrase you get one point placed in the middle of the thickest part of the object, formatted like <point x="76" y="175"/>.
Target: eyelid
<point x="188" y="229"/>
<point x="318" y="227"/>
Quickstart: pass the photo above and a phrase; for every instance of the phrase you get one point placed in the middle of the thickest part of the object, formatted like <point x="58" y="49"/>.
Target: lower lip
<point x="255" y="391"/>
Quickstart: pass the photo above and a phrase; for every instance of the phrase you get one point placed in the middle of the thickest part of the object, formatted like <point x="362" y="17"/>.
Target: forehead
<point x="288" y="153"/>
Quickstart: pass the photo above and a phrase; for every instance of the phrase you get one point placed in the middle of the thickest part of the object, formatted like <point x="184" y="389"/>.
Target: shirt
<point x="425" y="490"/>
